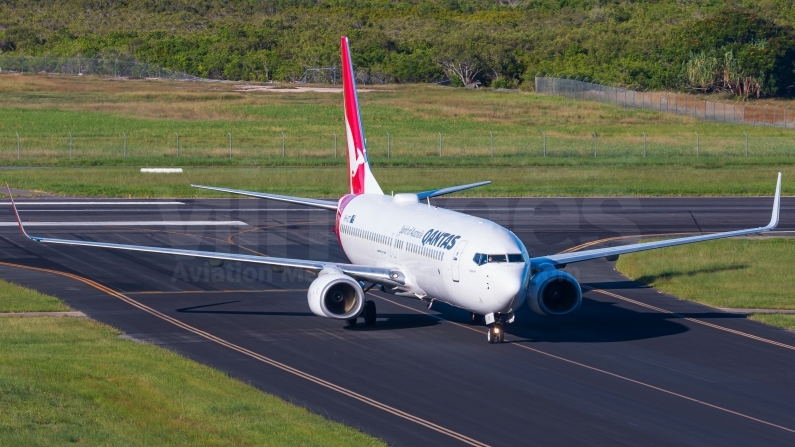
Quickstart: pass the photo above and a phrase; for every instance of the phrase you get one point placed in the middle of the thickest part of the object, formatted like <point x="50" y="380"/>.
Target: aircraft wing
<point x="451" y="189"/>
<point x="379" y="275"/>
<point x="317" y="203"/>
<point x="585" y="255"/>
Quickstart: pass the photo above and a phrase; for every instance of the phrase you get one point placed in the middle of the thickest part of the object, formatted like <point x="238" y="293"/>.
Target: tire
<point x="490" y="336"/>
<point x="369" y="313"/>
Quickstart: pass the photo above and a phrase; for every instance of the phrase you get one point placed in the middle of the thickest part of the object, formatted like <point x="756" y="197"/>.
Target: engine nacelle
<point x="335" y="295"/>
<point x="553" y="292"/>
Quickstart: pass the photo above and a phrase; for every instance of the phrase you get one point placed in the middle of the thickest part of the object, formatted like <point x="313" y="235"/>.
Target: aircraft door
<point x="393" y="248"/>
<point x="457" y="252"/>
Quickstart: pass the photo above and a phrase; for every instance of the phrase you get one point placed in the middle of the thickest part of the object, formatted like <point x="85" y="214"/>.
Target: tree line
<point x="746" y="48"/>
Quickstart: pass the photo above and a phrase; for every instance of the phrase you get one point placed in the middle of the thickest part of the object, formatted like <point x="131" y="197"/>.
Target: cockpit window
<point x="481" y="258"/>
<point x="497" y="258"/>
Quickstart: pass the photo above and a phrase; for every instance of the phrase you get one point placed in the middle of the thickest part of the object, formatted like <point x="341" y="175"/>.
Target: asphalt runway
<point x="631" y="367"/>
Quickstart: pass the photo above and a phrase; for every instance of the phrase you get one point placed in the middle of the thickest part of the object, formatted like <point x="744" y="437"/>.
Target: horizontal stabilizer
<point x="452" y="189"/>
<point x="317" y="203"/>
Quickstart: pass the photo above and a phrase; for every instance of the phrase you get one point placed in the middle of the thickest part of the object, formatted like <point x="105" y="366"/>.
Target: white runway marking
<point x="131" y="223"/>
<point x="92" y="203"/>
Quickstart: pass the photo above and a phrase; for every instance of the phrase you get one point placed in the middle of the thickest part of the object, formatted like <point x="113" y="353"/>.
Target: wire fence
<point x="79" y="66"/>
<point x="36" y="147"/>
<point x="696" y="105"/>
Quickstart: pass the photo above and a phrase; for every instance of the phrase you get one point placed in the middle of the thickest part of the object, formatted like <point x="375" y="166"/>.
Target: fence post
<point x="230" y="144"/>
<point x="335" y="144"/>
<point x="785" y="115"/>
<point x="763" y="113"/>
<point x="746" y="144"/>
<point x="744" y="106"/>
<point x="594" y="144"/>
<point x="644" y="144"/>
<point x="695" y="106"/>
<point x="734" y="111"/>
<point x="440" y="143"/>
<point x="492" y="144"/>
<point x="116" y="68"/>
<point x="755" y="107"/>
<point x="545" y="143"/>
<point x="388" y="144"/>
<point x="643" y="99"/>
<point x="177" y="143"/>
<point x="70" y="144"/>
<point x="282" y="144"/>
<point x="774" y="114"/>
<point x="125" y="144"/>
<point x="17" y="145"/>
<point x="697" y="144"/>
<point x="724" y="110"/>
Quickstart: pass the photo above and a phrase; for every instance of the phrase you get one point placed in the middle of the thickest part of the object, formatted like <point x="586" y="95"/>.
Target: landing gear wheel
<point x="495" y="334"/>
<point x="369" y="312"/>
<point x="476" y="318"/>
<point x="351" y="322"/>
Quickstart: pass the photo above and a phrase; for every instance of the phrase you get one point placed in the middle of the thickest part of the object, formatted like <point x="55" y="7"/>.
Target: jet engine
<point x="335" y="295"/>
<point x="553" y="292"/>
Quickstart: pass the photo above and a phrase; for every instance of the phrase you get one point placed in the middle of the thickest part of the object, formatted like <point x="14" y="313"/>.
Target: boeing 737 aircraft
<point x="408" y="248"/>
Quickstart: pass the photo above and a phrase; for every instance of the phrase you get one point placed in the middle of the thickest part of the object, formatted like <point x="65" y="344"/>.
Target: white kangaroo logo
<point x="359" y="161"/>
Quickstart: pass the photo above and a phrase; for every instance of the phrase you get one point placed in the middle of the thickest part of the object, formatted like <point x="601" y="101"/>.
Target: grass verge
<point x="738" y="273"/>
<point x="625" y="180"/>
<point x="786" y="321"/>
<point x="14" y="298"/>
<point x="68" y="380"/>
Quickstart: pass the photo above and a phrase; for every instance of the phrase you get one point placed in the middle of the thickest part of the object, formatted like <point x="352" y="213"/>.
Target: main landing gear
<point x="368" y="313"/>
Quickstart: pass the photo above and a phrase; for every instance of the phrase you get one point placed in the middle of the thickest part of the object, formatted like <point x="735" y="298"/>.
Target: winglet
<point x="776" y="206"/>
<point x="16" y="213"/>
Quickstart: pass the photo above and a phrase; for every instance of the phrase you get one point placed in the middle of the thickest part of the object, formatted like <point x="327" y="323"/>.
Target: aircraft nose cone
<point x="506" y="283"/>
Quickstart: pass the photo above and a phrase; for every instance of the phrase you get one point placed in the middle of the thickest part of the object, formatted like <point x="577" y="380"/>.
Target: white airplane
<point x="412" y="249"/>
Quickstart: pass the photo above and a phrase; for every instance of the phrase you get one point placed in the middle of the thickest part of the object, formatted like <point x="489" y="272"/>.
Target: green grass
<point x="68" y="380"/>
<point x="44" y="110"/>
<point x="630" y="180"/>
<point x="740" y="273"/>
<point x="14" y="298"/>
<point x="786" y="321"/>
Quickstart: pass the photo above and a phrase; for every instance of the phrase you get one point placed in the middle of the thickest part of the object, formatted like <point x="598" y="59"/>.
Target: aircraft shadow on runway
<point x="386" y="321"/>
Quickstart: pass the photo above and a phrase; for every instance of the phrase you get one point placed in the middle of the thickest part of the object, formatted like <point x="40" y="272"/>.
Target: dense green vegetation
<point x="73" y="380"/>
<point x="741" y="46"/>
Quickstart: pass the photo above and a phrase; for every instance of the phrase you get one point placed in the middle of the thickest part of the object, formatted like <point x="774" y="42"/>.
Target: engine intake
<point x="335" y="295"/>
<point x="554" y="292"/>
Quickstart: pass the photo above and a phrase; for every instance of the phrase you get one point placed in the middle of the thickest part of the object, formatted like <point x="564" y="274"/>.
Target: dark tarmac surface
<point x="614" y="373"/>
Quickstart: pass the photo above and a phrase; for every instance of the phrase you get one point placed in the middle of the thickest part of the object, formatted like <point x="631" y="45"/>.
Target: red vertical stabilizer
<point x="361" y="180"/>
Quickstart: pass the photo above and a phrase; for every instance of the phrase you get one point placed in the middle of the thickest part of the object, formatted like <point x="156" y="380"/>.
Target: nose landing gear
<point x="495" y="334"/>
<point x="495" y="322"/>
